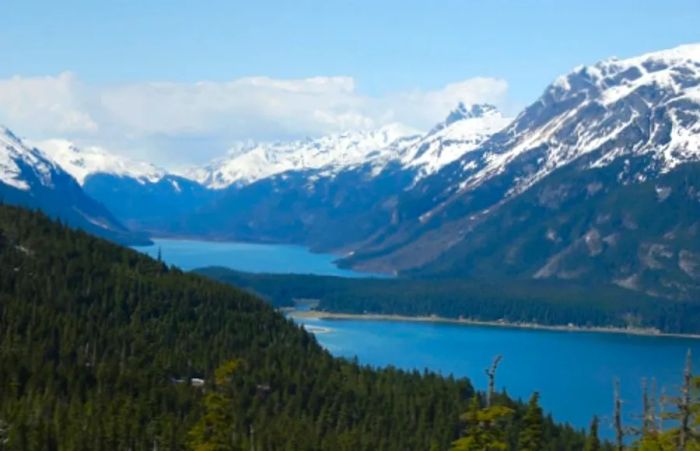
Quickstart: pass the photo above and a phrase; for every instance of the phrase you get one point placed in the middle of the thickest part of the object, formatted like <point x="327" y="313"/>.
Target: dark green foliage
<point x="592" y="441"/>
<point x="531" y="435"/>
<point x="99" y="344"/>
<point x="215" y="429"/>
<point x="543" y="302"/>
<point x="485" y="428"/>
<point x="501" y="427"/>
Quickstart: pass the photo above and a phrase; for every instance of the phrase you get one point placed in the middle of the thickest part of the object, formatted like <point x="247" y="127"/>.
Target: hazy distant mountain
<point x="336" y="191"/>
<point x="84" y="162"/>
<point x="28" y="177"/>
<point x="250" y="162"/>
<point x="327" y="192"/>
<point x="142" y="195"/>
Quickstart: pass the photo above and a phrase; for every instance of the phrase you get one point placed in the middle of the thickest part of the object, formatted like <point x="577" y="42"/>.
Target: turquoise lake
<point x="572" y="371"/>
<point x="248" y="257"/>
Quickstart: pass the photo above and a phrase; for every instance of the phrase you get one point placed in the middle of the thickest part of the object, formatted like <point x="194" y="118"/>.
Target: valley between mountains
<point x="594" y="187"/>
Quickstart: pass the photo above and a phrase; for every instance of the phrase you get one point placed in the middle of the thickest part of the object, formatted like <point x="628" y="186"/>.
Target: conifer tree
<point x="485" y="428"/>
<point x="213" y="432"/>
<point x="592" y="441"/>
<point x="531" y="435"/>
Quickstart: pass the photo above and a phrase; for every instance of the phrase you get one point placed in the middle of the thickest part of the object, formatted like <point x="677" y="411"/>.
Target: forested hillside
<point x="525" y="301"/>
<point x="102" y="348"/>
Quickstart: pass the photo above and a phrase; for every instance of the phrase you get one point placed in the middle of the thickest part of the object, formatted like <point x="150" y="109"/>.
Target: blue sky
<point x="384" y="50"/>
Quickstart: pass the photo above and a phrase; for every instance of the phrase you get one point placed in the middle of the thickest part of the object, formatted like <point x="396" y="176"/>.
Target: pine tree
<point x="485" y="428"/>
<point x="531" y="435"/>
<point x="592" y="441"/>
<point x="213" y="431"/>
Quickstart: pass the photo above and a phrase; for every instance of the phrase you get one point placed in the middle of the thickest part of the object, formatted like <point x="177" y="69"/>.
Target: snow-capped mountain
<point x="30" y="178"/>
<point x="249" y="162"/>
<point x="141" y="195"/>
<point x="82" y="162"/>
<point x="644" y="105"/>
<point x="464" y="130"/>
<point x="331" y="191"/>
<point x="605" y="164"/>
<point x="21" y="166"/>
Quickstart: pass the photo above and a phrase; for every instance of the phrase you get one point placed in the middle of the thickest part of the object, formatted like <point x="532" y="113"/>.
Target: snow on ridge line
<point x="452" y="139"/>
<point x="251" y="161"/>
<point x="674" y="73"/>
<point x="653" y="66"/>
<point x="464" y="129"/>
<point x="14" y="151"/>
<point x="81" y="162"/>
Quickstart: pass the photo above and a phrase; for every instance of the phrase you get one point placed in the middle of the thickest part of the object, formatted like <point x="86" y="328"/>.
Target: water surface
<point x="572" y="371"/>
<point x="248" y="257"/>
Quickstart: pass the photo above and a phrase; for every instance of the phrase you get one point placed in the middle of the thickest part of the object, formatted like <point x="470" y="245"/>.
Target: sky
<point x="177" y="82"/>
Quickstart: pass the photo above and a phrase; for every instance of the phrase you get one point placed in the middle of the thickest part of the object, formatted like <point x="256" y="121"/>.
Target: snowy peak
<point x="646" y="105"/>
<point x="674" y="70"/>
<point x="19" y="163"/>
<point x="463" y="112"/>
<point x="463" y="131"/>
<point x="249" y="162"/>
<point x="83" y="162"/>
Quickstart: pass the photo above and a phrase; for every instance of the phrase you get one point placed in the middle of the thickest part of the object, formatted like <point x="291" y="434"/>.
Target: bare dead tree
<point x="656" y="418"/>
<point x="649" y="414"/>
<point x="491" y="373"/>
<point x="662" y="404"/>
<point x="617" y="418"/>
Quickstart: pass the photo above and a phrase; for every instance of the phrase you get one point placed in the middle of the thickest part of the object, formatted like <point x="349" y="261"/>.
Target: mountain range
<point x="597" y="181"/>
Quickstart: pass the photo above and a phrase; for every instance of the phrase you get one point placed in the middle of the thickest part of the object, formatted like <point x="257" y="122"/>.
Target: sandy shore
<point x="310" y="314"/>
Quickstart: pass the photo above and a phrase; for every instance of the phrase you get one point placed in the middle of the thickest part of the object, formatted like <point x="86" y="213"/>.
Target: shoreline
<point x="649" y="332"/>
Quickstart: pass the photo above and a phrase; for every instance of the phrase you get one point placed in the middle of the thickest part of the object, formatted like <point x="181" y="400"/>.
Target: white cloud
<point x="45" y="103"/>
<point x="176" y="123"/>
<point x="424" y="108"/>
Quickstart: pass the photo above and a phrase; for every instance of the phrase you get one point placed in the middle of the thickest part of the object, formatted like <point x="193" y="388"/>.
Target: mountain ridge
<point x="650" y="131"/>
<point x="30" y="178"/>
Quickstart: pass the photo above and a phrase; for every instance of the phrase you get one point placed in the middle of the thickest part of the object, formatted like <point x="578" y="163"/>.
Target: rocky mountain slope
<point x="567" y="190"/>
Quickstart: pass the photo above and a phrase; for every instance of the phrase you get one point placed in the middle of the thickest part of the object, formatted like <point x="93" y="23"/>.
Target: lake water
<point x="572" y="371"/>
<point x="248" y="257"/>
